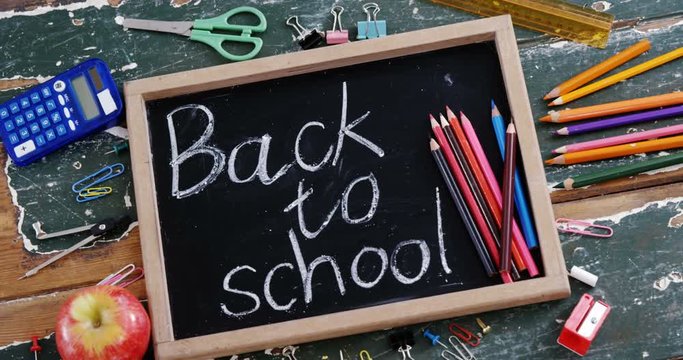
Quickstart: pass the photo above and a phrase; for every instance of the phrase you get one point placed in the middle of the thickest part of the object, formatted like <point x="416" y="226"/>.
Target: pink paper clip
<point x="124" y="277"/>
<point x="583" y="228"/>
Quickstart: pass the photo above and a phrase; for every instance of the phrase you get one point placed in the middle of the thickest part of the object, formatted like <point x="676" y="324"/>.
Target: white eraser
<point x="583" y="276"/>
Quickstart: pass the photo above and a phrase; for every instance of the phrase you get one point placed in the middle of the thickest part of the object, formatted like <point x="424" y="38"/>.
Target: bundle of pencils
<point x="623" y="113"/>
<point x="488" y="214"/>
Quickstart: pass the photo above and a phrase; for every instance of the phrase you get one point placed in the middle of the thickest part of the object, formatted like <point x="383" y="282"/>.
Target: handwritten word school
<point x="306" y="269"/>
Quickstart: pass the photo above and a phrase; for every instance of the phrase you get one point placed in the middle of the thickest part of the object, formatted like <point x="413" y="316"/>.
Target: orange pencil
<point x="491" y="202"/>
<point x="599" y="69"/>
<point x="618" y="107"/>
<point x="618" y="77"/>
<point x="617" y="151"/>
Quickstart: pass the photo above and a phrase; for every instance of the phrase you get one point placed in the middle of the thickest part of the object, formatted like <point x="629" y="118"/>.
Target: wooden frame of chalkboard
<point x="552" y="285"/>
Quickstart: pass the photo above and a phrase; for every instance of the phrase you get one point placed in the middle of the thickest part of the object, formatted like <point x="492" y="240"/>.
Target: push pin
<point x="308" y="39"/>
<point x="337" y="36"/>
<point x="35" y="348"/>
<point x="433" y="338"/>
<point x="485" y="329"/>
<point x="371" y="28"/>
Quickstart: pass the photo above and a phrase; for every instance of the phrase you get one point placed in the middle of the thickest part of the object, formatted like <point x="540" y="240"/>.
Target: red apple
<point x="102" y="322"/>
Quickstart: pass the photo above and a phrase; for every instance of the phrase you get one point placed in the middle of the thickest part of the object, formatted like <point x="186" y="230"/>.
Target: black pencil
<point x="462" y="208"/>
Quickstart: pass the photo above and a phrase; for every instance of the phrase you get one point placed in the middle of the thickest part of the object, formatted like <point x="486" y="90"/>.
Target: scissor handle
<point x="216" y="42"/>
<point x="221" y="22"/>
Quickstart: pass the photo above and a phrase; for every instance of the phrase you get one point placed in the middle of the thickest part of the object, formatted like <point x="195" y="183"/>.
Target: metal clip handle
<point x="337" y="11"/>
<point x="302" y="31"/>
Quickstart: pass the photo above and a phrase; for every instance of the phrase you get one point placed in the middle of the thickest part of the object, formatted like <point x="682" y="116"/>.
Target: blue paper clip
<point x="371" y="28"/>
<point x="84" y="187"/>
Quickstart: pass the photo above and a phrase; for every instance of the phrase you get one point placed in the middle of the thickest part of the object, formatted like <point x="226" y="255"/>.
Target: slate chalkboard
<point x="294" y="198"/>
<point x="244" y="205"/>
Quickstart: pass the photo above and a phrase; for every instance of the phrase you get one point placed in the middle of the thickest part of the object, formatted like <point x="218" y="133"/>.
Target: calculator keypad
<point x="36" y="119"/>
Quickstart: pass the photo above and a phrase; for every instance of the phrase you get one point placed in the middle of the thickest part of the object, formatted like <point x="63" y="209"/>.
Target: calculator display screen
<point x="85" y="98"/>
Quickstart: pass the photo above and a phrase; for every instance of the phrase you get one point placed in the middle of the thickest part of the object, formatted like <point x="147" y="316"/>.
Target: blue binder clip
<point x="371" y="28"/>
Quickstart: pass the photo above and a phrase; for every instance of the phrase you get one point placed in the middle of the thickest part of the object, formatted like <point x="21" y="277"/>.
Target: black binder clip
<point x="402" y="342"/>
<point x="308" y="39"/>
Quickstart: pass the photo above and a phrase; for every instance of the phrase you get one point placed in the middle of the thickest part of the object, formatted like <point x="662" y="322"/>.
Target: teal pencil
<point x="621" y="171"/>
<point x="521" y="204"/>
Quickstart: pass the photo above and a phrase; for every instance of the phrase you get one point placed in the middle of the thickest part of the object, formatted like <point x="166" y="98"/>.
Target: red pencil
<point x="467" y="195"/>
<point x="481" y="180"/>
<point x="508" y="193"/>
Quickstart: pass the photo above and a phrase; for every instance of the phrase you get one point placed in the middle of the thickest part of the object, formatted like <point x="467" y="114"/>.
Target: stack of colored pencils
<point x="627" y="112"/>
<point x="487" y="211"/>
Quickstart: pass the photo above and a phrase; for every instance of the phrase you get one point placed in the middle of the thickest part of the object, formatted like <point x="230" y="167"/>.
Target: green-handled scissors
<point x="200" y="30"/>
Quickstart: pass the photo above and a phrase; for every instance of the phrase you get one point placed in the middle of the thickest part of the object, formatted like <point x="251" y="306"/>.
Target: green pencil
<point x="620" y="171"/>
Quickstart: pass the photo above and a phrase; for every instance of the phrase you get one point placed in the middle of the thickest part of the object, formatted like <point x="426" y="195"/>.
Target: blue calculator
<point x="64" y="109"/>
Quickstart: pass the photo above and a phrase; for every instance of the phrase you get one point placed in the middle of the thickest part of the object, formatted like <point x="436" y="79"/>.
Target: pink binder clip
<point x="337" y="36"/>
<point x="583" y="228"/>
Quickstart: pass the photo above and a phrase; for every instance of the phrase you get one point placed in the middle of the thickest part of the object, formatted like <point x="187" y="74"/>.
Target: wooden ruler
<point x="553" y="17"/>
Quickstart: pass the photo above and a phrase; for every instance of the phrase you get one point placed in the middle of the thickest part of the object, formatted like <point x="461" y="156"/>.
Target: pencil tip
<point x="432" y="120"/>
<point x="560" y="150"/>
<point x="443" y="120"/>
<point x="556" y="102"/>
<point x="450" y="113"/>
<point x="559" y="185"/>
<point x="550" y="161"/>
<point x="545" y="118"/>
<point x="493" y="104"/>
<point x="511" y="128"/>
<point x="563" y="131"/>
<point x="463" y="118"/>
<point x="433" y="145"/>
<point x="552" y="94"/>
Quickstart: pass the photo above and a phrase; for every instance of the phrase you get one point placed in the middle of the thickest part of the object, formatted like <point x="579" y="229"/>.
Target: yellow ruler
<point x="553" y="17"/>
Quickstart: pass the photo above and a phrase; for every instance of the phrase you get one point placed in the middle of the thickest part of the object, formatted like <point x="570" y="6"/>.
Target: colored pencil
<point x="614" y="108"/>
<point x="481" y="192"/>
<point x="521" y="203"/>
<point x="508" y="195"/>
<point x="621" y="139"/>
<point x="598" y="70"/>
<point x="621" y="121"/>
<point x="518" y="239"/>
<point x="462" y="208"/>
<point x="489" y="196"/>
<point x="620" y="171"/>
<point x="467" y="195"/>
<point x="621" y="76"/>
<point x="618" y="151"/>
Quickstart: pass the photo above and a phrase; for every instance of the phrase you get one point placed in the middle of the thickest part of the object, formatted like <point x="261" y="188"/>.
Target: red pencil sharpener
<point x="583" y="324"/>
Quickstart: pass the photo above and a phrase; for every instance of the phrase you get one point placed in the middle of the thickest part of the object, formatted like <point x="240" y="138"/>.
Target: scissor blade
<point x="174" y="27"/>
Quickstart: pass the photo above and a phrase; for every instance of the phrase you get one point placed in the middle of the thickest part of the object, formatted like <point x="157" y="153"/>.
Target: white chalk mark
<point x="297" y="151"/>
<point x="266" y="289"/>
<point x="226" y="287"/>
<point x="197" y="148"/>
<point x="373" y="205"/>
<point x="345" y="130"/>
<point x="439" y="232"/>
<point x="307" y="272"/>
<point x="424" y="249"/>
<point x="354" y="267"/>
<point x="261" y="168"/>
<point x="298" y="203"/>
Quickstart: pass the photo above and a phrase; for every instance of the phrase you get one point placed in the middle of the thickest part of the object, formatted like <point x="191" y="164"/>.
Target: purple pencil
<point x="621" y="120"/>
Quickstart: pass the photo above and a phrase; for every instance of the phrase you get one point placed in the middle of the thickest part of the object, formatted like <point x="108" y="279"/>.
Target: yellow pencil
<point x="608" y="81"/>
<point x="617" y="151"/>
<point x="599" y="69"/>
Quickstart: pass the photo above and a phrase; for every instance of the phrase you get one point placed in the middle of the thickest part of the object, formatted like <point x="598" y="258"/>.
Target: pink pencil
<point x="621" y="139"/>
<point x="517" y="236"/>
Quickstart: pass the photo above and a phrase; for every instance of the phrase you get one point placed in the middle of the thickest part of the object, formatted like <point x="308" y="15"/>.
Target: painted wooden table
<point x="41" y="38"/>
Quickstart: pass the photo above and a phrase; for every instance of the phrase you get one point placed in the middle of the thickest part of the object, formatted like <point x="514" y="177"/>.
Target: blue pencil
<point x="520" y="200"/>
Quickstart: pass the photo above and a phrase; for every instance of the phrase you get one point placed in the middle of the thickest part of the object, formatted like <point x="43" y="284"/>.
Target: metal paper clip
<point x="98" y="177"/>
<point x="337" y="36"/>
<point x="289" y="351"/>
<point x="307" y="38"/>
<point x="449" y="355"/>
<point x="93" y="193"/>
<point x="371" y="28"/>
<point x="364" y="355"/>
<point x="583" y="228"/>
<point x="124" y="277"/>
<point x="405" y="351"/>
<point x="464" y="334"/>
<point x="456" y="343"/>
